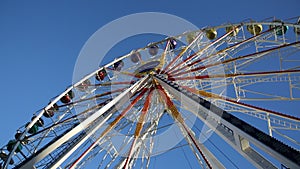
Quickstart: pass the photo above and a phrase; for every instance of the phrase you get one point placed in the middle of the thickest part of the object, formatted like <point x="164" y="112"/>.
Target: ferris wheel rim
<point x="40" y="114"/>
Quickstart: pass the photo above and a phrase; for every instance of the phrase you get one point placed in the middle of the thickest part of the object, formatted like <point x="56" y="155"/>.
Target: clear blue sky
<point x="40" y="41"/>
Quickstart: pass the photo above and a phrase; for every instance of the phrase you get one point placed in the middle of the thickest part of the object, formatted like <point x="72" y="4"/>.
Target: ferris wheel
<point x="207" y="98"/>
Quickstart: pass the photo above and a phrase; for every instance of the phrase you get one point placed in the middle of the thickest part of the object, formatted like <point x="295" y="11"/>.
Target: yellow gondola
<point x="255" y="29"/>
<point x="211" y="34"/>
<point x="230" y="28"/>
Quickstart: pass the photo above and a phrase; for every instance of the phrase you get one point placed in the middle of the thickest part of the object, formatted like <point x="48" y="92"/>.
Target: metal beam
<point x="75" y="146"/>
<point x="83" y="125"/>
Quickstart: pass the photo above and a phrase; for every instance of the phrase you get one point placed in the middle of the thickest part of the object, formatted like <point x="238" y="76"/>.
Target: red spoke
<point x="111" y="126"/>
<point x="163" y="57"/>
<point x="125" y="73"/>
<point x="69" y="119"/>
<point x="177" y="116"/>
<point x="221" y="51"/>
<point x="180" y="54"/>
<point x="215" y="96"/>
<point x="235" y="59"/>
<point x="113" y="83"/>
<point x="94" y="97"/>
<point x="233" y="75"/>
<point x="140" y="124"/>
<point x="206" y="47"/>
